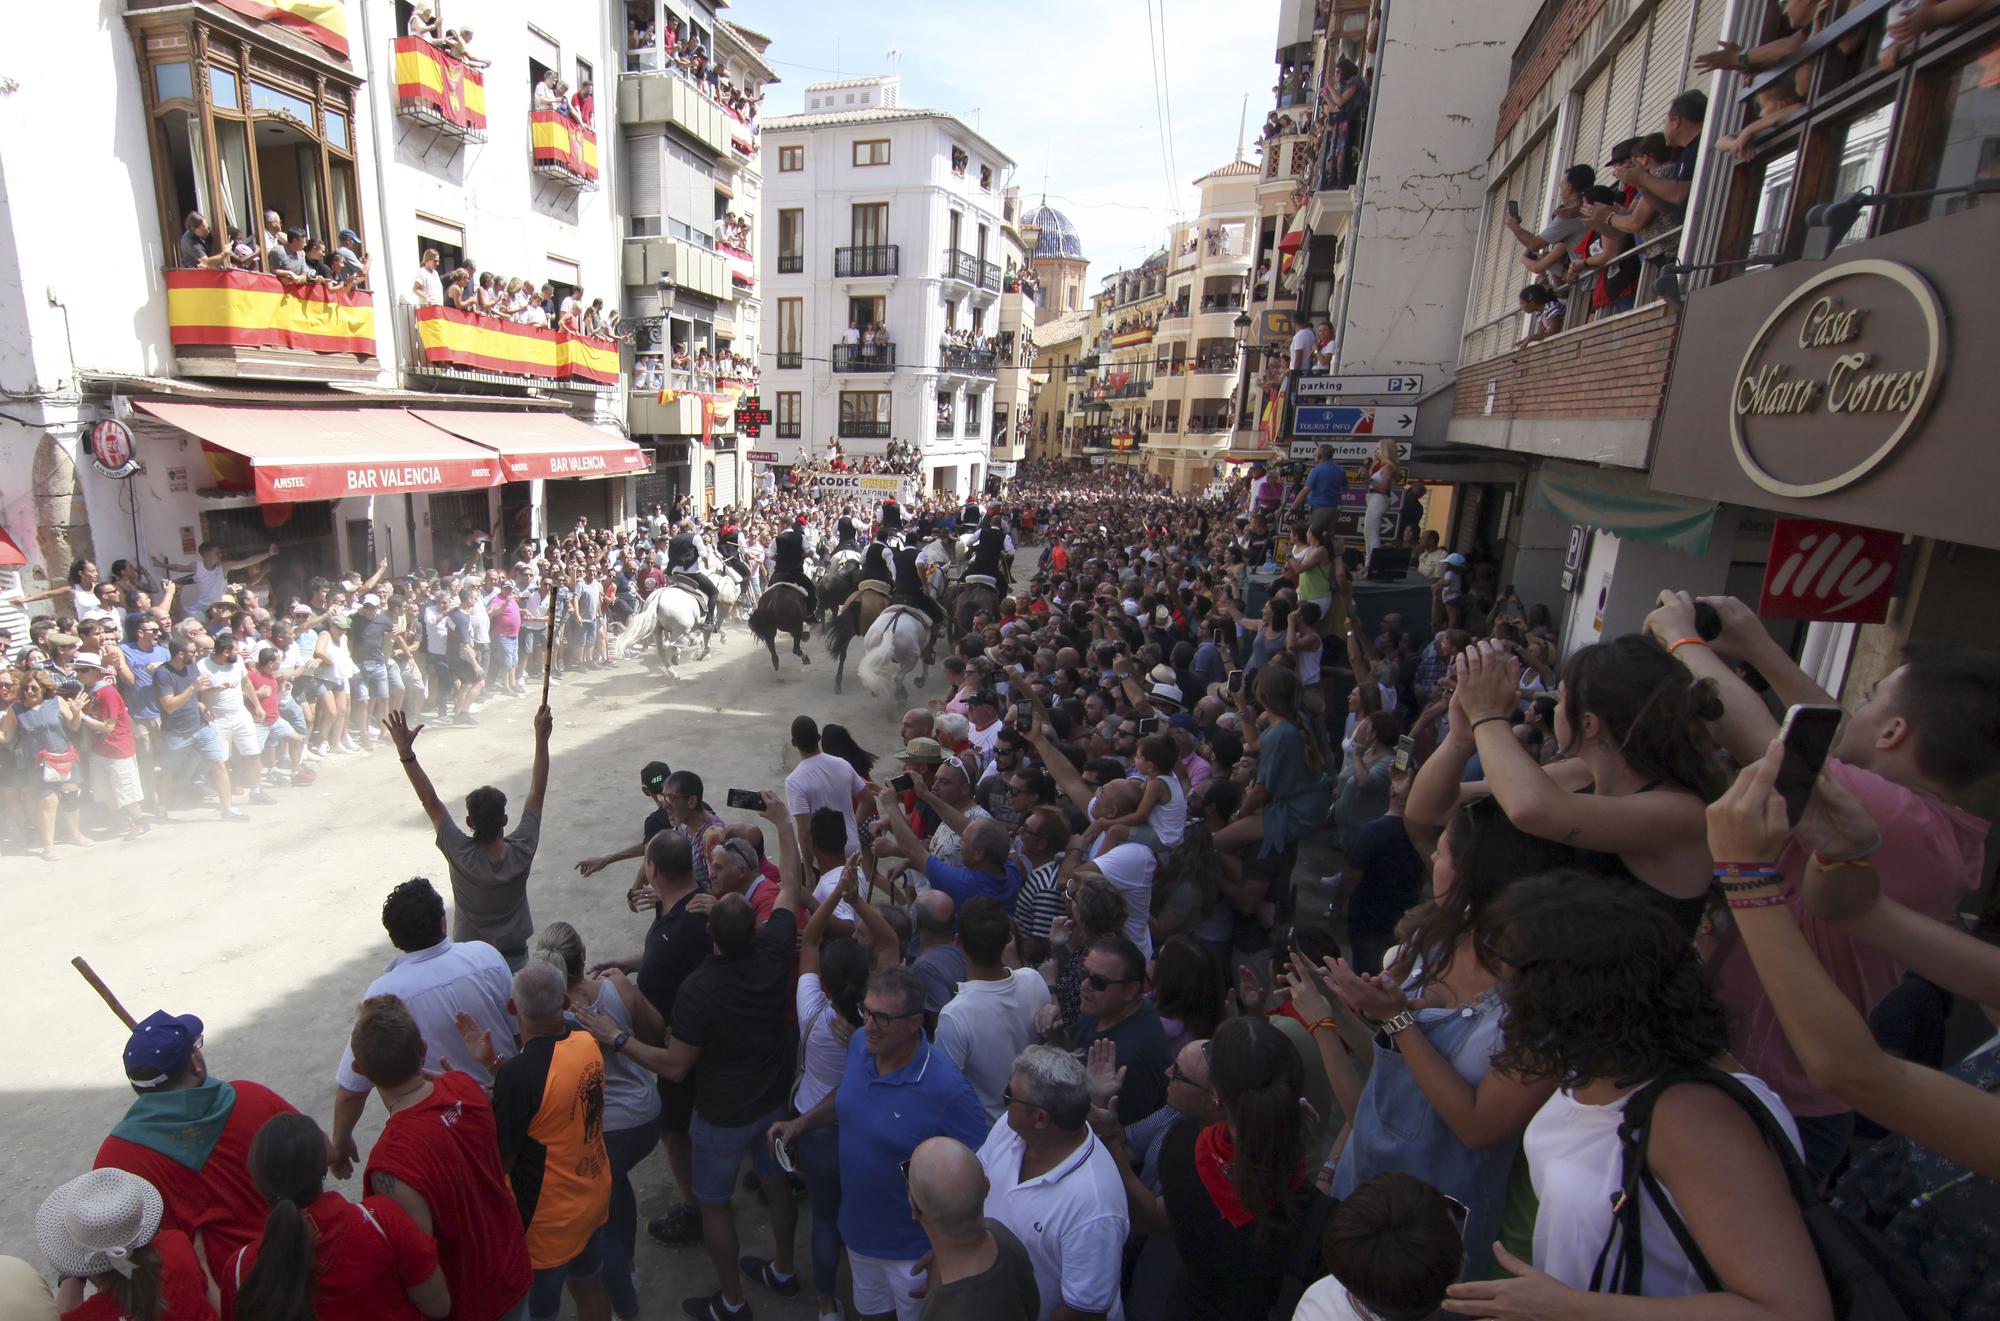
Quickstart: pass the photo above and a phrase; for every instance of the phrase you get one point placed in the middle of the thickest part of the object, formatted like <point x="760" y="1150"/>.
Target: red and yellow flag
<point x="325" y="21"/>
<point x="453" y="338"/>
<point x="248" y="309"/>
<point x="560" y="140"/>
<point x="428" y="76"/>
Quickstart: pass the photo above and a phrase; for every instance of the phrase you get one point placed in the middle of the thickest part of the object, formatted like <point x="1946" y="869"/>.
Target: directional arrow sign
<point x="1349" y="421"/>
<point x="1347" y="451"/>
<point x="1357" y="387"/>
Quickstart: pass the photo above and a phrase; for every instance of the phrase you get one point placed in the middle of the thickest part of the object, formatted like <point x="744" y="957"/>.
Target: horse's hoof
<point x="807" y="659"/>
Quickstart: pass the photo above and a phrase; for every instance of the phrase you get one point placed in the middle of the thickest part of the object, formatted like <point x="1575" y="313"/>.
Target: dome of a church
<point x="1055" y="236"/>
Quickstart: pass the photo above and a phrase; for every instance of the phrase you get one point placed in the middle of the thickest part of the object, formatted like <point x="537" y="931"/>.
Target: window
<point x="1968" y="148"/>
<point x="1774" y="196"/>
<point x="1864" y="147"/>
<point x="865" y="312"/>
<point x="864" y="413"/>
<point x="787" y="415"/>
<point x="870" y="225"/>
<point x="871" y="151"/>
<point x="791" y="240"/>
<point x="791" y="330"/>
<point x="791" y="159"/>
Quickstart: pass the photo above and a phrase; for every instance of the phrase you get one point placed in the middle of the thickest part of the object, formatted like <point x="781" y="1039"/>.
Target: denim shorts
<point x="718" y="1154"/>
<point x="372" y="682"/>
<point x="506" y="653"/>
<point x="545" y="1295"/>
<point x="206" y="743"/>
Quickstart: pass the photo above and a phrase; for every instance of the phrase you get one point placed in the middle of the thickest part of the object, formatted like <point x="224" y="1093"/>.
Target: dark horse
<point x="781" y="609"/>
<point x="853" y="621"/>
<point x="969" y="600"/>
<point x="836" y="583"/>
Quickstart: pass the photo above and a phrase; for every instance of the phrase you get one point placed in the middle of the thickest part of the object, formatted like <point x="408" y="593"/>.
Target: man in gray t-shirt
<point x="489" y="867"/>
<point x="1566" y="224"/>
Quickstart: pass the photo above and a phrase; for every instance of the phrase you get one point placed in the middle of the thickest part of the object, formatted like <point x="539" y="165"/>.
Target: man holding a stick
<point x="489" y="868"/>
<point x="189" y="1136"/>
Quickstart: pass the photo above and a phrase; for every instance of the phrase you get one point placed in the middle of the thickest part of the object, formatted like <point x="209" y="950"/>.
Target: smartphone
<point x="782" y="1155"/>
<point x="1514" y="211"/>
<point x="903" y="783"/>
<point x="1406" y="748"/>
<point x="1707" y="622"/>
<point x="1235" y="683"/>
<point x="1808" y="736"/>
<point x="1024" y="711"/>
<point x="745" y="798"/>
<point x="1148" y="725"/>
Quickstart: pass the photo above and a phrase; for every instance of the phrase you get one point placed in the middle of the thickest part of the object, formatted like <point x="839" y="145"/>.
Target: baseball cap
<point x="371" y="599"/>
<point x="349" y="236"/>
<point x="653" y="776"/>
<point x="63" y="640"/>
<point x="339" y="619"/>
<point x="984" y="697"/>
<point x="926" y="750"/>
<point x="301" y="608"/>
<point x="162" y="1043"/>
<point x="1455" y="559"/>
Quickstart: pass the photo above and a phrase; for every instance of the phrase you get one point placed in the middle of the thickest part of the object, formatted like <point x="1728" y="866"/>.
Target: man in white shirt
<point x="224" y="693"/>
<point x="211" y="573"/>
<point x="820" y="780"/>
<point x="1303" y="344"/>
<point x="428" y="287"/>
<point x="1058" y="1188"/>
<point x="1129" y="867"/>
<point x="437" y="979"/>
<point x="982" y="710"/>
<point x="992" y="1018"/>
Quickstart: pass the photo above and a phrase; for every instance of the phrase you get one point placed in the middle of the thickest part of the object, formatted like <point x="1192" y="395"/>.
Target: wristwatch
<point x="618" y="1042"/>
<point x="1391" y="1026"/>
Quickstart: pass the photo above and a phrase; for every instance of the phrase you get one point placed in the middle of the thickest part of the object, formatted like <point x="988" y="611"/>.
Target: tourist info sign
<point x="1347" y="420"/>
<point x="1357" y="387"/>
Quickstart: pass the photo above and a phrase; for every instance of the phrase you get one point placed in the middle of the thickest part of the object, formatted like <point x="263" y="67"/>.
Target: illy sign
<point x="1829" y="571"/>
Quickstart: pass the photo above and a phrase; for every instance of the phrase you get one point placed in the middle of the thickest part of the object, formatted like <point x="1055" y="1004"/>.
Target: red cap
<point x="729" y="531"/>
<point x="800" y="521"/>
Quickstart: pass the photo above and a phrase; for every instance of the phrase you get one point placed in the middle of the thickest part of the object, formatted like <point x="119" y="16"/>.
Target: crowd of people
<point x="651" y="46"/>
<point x="292" y="254"/>
<point x="513" y="299"/>
<point x="1021" y="1000"/>
<point x="704" y="369"/>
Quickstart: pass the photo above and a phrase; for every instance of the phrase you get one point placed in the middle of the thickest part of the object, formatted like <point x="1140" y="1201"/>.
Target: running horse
<point x="854" y="617"/>
<point x="671" y="615"/>
<point x="969" y="598"/>
<point x="781" y="609"/>
<point x="837" y="581"/>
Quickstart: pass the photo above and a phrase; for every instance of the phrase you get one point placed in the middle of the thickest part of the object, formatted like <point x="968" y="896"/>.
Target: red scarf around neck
<point x="1214" y="1153"/>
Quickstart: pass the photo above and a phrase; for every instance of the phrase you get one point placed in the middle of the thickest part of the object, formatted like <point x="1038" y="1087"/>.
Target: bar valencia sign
<point x="1837" y="377"/>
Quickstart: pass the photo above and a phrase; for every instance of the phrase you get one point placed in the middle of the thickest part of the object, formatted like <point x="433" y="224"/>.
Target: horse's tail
<point x="878" y="654"/>
<point x="644" y="623"/>
<point x="840" y="634"/>
<point x="764" y="622"/>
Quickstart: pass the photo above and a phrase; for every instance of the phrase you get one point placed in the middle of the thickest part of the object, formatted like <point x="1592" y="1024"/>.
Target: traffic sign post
<point x="1347" y="451"/>
<point x="1358" y="387"/>
<point x="1348" y="420"/>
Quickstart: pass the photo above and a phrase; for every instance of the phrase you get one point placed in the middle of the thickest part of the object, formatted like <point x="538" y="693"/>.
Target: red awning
<point x="11" y="555"/>
<point x="532" y="445"/>
<point x="299" y="454"/>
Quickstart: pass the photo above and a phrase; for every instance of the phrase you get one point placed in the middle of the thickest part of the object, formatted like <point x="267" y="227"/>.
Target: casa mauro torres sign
<point x="1840" y="373"/>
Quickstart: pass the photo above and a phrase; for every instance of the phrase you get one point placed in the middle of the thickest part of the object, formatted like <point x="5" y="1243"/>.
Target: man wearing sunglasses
<point x="896" y="1092"/>
<point x="1115" y="1007"/>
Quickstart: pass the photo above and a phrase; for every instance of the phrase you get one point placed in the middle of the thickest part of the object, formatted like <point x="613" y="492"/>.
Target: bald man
<point x="918" y="722"/>
<point x="978" y="1267"/>
<point x="939" y="960"/>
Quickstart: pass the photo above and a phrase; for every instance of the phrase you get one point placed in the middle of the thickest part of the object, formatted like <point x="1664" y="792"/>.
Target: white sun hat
<point x="97" y="1222"/>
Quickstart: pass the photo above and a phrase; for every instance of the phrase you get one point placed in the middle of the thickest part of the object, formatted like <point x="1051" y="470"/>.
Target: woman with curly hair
<point x="1604" y="994"/>
<point x="1638" y="771"/>
<point x="1095" y="910"/>
<point x="1434" y="1105"/>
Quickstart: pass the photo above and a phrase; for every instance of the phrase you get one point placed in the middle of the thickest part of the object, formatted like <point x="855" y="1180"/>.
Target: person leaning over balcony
<point x="194" y="245"/>
<point x="1565" y="226"/>
<point x="289" y="262"/>
<point x="1664" y="194"/>
<point x="1544" y="312"/>
<point x="427" y="288"/>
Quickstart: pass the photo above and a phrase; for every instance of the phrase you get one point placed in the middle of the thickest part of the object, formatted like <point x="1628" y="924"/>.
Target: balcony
<point x="959" y="360"/>
<point x="791" y="263"/>
<point x="864" y="357"/>
<point x="961" y="266"/>
<point x="790" y="362"/>
<point x="645" y="415"/>
<point x="989" y="276"/>
<point x="448" y="344"/>
<point x="438" y="91"/>
<point x="659" y="262"/>
<point x="647" y="99"/>
<point x="248" y="324"/>
<point x="864" y="262"/>
<point x="563" y="149"/>
<point x="864" y="428"/>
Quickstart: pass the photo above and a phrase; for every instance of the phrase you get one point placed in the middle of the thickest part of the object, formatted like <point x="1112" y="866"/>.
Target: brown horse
<point x="969" y="600"/>
<point x="852" y="621"/>
<point x="781" y="609"/>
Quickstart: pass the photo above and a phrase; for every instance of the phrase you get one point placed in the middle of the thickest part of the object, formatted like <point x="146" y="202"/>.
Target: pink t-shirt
<point x="506" y="616"/>
<point x="1932" y="856"/>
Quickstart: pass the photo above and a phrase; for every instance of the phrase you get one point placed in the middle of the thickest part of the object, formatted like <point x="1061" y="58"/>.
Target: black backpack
<point x="1868" y="1280"/>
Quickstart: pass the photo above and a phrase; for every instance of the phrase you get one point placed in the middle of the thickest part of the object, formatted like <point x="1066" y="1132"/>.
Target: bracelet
<point x="1755" y="883"/>
<point x="1763" y="901"/>
<point x="1731" y="870"/>
<point x="1483" y="719"/>
<point x="1324" y="1022"/>
<point x="1859" y="855"/>
<point x="407" y="760"/>
<point x="1832" y="864"/>
<point x="1675" y="646"/>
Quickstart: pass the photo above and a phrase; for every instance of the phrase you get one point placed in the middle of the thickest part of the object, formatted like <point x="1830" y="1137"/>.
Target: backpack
<point x="1867" y="1280"/>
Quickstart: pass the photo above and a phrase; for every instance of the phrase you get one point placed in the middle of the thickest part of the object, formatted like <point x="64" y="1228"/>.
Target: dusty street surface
<point x="270" y="931"/>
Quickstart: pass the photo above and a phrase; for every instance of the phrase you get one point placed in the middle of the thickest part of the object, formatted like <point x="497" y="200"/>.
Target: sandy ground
<point x="270" y="931"/>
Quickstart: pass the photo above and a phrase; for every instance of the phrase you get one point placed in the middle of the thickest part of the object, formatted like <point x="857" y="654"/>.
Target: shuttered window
<point x="1621" y="114"/>
<point x="1708" y="16"/>
<point x="1666" y="63"/>
<point x="642" y="176"/>
<point x="1590" y="144"/>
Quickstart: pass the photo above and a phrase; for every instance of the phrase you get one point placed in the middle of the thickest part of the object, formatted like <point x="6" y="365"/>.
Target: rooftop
<point x="1068" y="326"/>
<point x="1233" y="168"/>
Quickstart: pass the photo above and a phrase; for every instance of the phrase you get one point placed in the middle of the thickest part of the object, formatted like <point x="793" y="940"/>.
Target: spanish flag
<point x="465" y="339"/>
<point x="325" y="21"/>
<point x="560" y="140"/>
<point x="248" y="309"/>
<point x="428" y="76"/>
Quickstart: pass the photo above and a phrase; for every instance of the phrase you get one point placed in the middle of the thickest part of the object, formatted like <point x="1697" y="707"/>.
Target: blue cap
<point x="349" y="236"/>
<point x="162" y="1043"/>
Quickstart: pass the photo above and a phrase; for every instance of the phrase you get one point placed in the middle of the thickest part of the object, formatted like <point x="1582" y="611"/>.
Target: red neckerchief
<point x="1214" y="1152"/>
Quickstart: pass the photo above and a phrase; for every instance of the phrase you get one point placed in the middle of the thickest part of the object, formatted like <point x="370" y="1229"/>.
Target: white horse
<point x="728" y="591"/>
<point x="670" y="614"/>
<point x="896" y="642"/>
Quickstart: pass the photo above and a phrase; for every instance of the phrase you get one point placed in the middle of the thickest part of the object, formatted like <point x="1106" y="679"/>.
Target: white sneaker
<point x="473" y="710"/>
<point x="347" y="744"/>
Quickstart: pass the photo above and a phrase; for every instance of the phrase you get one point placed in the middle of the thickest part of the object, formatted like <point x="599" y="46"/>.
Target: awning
<point x="532" y="445"/>
<point x="11" y="554"/>
<point x="1628" y="511"/>
<point x="297" y="454"/>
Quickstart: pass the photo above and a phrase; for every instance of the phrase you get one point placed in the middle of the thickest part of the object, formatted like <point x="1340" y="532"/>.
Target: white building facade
<point x="883" y="282"/>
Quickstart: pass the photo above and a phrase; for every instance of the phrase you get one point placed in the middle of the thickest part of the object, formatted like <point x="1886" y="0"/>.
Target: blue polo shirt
<point x="1324" y="484"/>
<point x="882" y="1121"/>
<point x="140" y="699"/>
<point x="961" y="883"/>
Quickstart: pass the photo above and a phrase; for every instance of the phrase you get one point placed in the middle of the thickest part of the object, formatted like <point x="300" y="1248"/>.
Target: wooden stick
<point x="549" y="656"/>
<point x="97" y="984"/>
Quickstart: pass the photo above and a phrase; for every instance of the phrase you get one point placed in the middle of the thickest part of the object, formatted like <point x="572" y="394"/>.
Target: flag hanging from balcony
<point x="325" y="21"/>
<point x="428" y="76"/>
<point x="248" y="309"/>
<point x="561" y="141"/>
<point x="452" y="338"/>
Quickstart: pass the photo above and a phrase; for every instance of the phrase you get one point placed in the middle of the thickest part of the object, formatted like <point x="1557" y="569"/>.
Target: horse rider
<point x="991" y="548"/>
<point x="878" y="563"/>
<point x="848" y="536"/>
<point x="890" y="528"/>
<point x="907" y="586"/>
<point x="729" y="545"/>
<point x="788" y="562"/>
<point x="684" y="559"/>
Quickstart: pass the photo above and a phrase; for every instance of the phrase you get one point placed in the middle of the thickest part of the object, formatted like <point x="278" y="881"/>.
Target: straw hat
<point x="97" y="1222"/>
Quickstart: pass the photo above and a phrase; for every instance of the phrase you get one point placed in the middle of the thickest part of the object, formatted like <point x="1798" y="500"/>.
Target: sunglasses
<point x="1098" y="982"/>
<point x="1007" y="1097"/>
